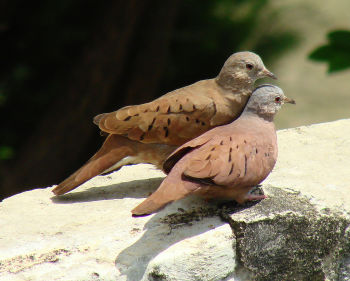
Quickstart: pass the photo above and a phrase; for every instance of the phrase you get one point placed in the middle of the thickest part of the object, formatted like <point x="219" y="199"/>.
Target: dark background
<point x="63" y="62"/>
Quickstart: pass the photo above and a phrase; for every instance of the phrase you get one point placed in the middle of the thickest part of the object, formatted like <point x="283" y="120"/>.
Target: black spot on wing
<point x="205" y="181"/>
<point x="231" y="170"/>
<point x="166" y="131"/>
<point x="171" y="161"/>
<point x="151" y="125"/>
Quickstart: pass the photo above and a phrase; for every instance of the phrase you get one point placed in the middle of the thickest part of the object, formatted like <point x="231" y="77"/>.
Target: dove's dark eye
<point x="249" y="66"/>
<point x="277" y="99"/>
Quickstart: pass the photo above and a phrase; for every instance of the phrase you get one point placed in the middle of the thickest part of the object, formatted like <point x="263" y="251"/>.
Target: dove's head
<point x="266" y="100"/>
<point x="243" y="69"/>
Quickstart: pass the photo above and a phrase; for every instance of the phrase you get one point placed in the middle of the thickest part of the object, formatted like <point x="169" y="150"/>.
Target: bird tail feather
<point x="112" y="151"/>
<point x="168" y="191"/>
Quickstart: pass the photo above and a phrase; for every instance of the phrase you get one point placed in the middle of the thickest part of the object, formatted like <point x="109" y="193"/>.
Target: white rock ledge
<point x="301" y="232"/>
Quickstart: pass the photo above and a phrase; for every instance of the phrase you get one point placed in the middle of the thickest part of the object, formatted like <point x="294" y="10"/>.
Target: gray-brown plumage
<point x="137" y="131"/>
<point x="227" y="161"/>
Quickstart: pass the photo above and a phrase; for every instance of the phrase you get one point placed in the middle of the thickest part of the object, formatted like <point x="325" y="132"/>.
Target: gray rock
<point x="300" y="232"/>
<point x="292" y="241"/>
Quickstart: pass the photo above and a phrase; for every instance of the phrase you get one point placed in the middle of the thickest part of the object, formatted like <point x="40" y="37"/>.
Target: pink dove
<point x="227" y="161"/>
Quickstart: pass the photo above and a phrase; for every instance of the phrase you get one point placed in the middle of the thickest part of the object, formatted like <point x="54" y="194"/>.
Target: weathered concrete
<point x="300" y="232"/>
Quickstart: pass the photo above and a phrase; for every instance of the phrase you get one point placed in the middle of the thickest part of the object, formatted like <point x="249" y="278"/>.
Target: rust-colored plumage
<point x="149" y="132"/>
<point x="227" y="161"/>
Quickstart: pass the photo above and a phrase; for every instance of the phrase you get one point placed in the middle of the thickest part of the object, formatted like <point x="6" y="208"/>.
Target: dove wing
<point x="180" y="152"/>
<point x="239" y="158"/>
<point x="174" y="118"/>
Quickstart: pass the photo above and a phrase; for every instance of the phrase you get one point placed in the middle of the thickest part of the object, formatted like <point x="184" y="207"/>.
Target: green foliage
<point x="6" y="152"/>
<point x="336" y="53"/>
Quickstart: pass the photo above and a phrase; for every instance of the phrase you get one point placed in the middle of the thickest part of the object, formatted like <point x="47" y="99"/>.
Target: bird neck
<point x="253" y="112"/>
<point x="234" y="83"/>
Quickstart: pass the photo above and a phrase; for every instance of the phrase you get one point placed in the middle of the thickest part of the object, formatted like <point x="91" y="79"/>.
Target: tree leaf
<point x="321" y="53"/>
<point x="339" y="38"/>
<point x="336" y="52"/>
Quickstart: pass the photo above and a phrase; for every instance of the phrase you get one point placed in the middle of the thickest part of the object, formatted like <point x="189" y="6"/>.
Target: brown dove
<point x="150" y="132"/>
<point x="227" y="161"/>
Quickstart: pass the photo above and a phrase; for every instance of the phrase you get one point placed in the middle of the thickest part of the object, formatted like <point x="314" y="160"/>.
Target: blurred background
<point x="63" y="62"/>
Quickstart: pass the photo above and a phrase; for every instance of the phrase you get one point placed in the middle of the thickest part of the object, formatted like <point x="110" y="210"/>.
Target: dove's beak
<point x="288" y="100"/>
<point x="266" y="73"/>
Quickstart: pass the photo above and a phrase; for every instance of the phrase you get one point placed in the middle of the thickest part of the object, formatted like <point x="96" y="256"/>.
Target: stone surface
<point x="300" y="232"/>
<point x="287" y="238"/>
<point x="315" y="160"/>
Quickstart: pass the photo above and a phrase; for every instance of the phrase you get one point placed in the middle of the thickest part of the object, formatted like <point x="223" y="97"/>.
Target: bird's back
<point x="178" y="116"/>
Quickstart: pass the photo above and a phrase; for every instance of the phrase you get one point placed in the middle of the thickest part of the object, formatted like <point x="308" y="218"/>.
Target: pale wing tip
<point x="98" y="118"/>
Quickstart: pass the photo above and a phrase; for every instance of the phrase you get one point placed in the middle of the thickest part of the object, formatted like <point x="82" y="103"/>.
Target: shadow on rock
<point x="170" y="226"/>
<point x="133" y="189"/>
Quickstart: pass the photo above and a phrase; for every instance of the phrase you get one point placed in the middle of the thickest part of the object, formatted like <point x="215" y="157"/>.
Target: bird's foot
<point x="255" y="197"/>
<point x="255" y="194"/>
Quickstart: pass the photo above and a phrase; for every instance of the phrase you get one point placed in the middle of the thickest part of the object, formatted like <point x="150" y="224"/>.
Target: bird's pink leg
<point x="255" y="194"/>
<point x="255" y="197"/>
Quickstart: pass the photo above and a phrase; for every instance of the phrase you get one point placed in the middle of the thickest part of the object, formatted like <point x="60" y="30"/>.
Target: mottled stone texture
<point x="300" y="232"/>
<point x="292" y="242"/>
